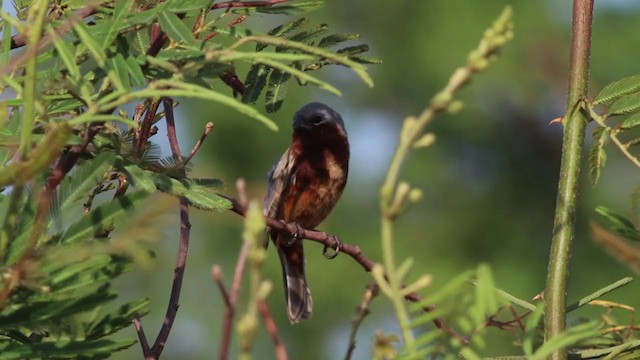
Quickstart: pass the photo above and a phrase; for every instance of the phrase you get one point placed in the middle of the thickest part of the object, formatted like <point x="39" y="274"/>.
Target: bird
<point x="303" y="188"/>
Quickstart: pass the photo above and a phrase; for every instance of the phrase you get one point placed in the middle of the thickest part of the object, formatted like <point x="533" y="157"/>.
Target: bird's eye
<point x="316" y="120"/>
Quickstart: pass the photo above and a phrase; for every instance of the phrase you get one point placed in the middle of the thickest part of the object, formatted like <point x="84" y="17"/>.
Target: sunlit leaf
<point x="617" y="89"/>
<point x="597" y="154"/>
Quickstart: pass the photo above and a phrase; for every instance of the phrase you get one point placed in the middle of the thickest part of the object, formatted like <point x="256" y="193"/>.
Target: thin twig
<point x="227" y="324"/>
<point x="183" y="247"/>
<point x="207" y="131"/>
<point x="238" y="20"/>
<point x="145" y="128"/>
<point x="363" y="310"/>
<point x="272" y="329"/>
<point x="245" y="4"/>
<point x="146" y="351"/>
<point x="216" y="274"/>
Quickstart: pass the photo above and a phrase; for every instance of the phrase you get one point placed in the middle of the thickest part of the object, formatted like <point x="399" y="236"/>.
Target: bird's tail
<point x="297" y="293"/>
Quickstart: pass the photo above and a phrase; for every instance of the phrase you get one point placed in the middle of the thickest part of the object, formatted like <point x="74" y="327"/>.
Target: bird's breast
<point x="318" y="183"/>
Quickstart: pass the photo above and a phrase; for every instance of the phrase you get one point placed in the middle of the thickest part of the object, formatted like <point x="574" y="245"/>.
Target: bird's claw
<point x="295" y="235"/>
<point x="331" y="255"/>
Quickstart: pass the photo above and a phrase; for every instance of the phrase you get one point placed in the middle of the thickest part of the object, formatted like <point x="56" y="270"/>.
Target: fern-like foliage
<point x="276" y="79"/>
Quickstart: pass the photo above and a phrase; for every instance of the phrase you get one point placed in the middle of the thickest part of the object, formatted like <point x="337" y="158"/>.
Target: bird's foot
<point x="295" y="235"/>
<point x="336" y="250"/>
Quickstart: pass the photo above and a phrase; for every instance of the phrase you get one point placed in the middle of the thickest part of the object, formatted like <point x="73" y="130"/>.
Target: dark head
<point x="316" y="116"/>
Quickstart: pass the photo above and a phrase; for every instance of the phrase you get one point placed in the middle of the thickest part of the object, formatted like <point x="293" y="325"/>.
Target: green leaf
<point x="144" y="179"/>
<point x="625" y="105"/>
<point x="227" y="56"/>
<point x="181" y="54"/>
<point x="631" y="122"/>
<point x="90" y="43"/>
<point x="335" y="39"/>
<point x="600" y="293"/>
<point x="119" y="66"/>
<point x="301" y="75"/>
<point x="62" y="349"/>
<point x="200" y="198"/>
<point x="452" y="286"/>
<point x="45" y="152"/>
<point x="175" y="28"/>
<point x="617" y="89"/>
<point x="117" y="319"/>
<point x="196" y="191"/>
<point x="210" y="183"/>
<point x="115" y="22"/>
<point x="531" y="329"/>
<point x="283" y="30"/>
<point x="487" y="301"/>
<point x="254" y="83"/>
<point x="64" y="106"/>
<point x="76" y="186"/>
<point x="56" y="308"/>
<point x="309" y="34"/>
<point x="140" y="41"/>
<point x="565" y="339"/>
<point x="354" y="50"/>
<point x="183" y="6"/>
<point x="277" y="90"/>
<point x="365" y="59"/>
<point x="359" y="69"/>
<point x="619" y="223"/>
<point x="5" y="53"/>
<point x="101" y="218"/>
<point x="172" y="88"/>
<point x="135" y="72"/>
<point x="289" y="9"/>
<point x="635" y="207"/>
<point x="65" y="51"/>
<point x="597" y="154"/>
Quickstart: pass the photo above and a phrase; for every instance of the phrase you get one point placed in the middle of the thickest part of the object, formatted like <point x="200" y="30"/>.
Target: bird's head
<point x="316" y="116"/>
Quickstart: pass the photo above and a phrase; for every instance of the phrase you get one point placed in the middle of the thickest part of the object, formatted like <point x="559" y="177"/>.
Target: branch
<point x="272" y="329"/>
<point x="183" y="247"/>
<point x="334" y="242"/>
<point x="233" y="298"/>
<point x="566" y="203"/>
<point x="246" y="4"/>
<point x="363" y="310"/>
<point x="20" y="40"/>
<point x="207" y="131"/>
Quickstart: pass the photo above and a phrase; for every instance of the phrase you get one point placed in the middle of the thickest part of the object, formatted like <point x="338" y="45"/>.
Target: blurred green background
<point x="489" y="181"/>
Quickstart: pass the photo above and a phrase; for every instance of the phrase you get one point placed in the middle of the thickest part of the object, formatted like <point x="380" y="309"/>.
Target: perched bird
<point x="304" y="186"/>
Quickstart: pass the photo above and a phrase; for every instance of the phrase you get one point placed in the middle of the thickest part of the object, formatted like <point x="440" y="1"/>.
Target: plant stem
<point x="36" y="20"/>
<point x="566" y="203"/>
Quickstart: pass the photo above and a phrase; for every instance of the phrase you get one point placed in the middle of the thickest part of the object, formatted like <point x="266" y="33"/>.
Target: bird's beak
<point x="299" y="123"/>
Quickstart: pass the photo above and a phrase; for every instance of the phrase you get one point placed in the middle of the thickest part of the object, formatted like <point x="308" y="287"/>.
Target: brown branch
<point x="216" y="274"/>
<point x="245" y="4"/>
<point x="272" y="329"/>
<point x="363" y="310"/>
<point x="183" y="247"/>
<point x="332" y="241"/>
<point x="19" y="40"/>
<point x="146" y="351"/>
<point x="235" y="285"/>
<point x="207" y="131"/>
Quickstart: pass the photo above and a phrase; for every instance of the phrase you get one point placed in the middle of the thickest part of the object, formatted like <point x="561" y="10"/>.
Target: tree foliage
<point x="82" y="174"/>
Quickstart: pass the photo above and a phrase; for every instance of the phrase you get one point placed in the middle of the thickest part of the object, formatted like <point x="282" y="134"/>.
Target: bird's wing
<point x="280" y="177"/>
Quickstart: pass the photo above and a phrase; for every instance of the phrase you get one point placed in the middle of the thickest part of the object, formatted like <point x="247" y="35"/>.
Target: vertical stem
<point x="35" y="19"/>
<point x="395" y="283"/>
<point x="574" y="130"/>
